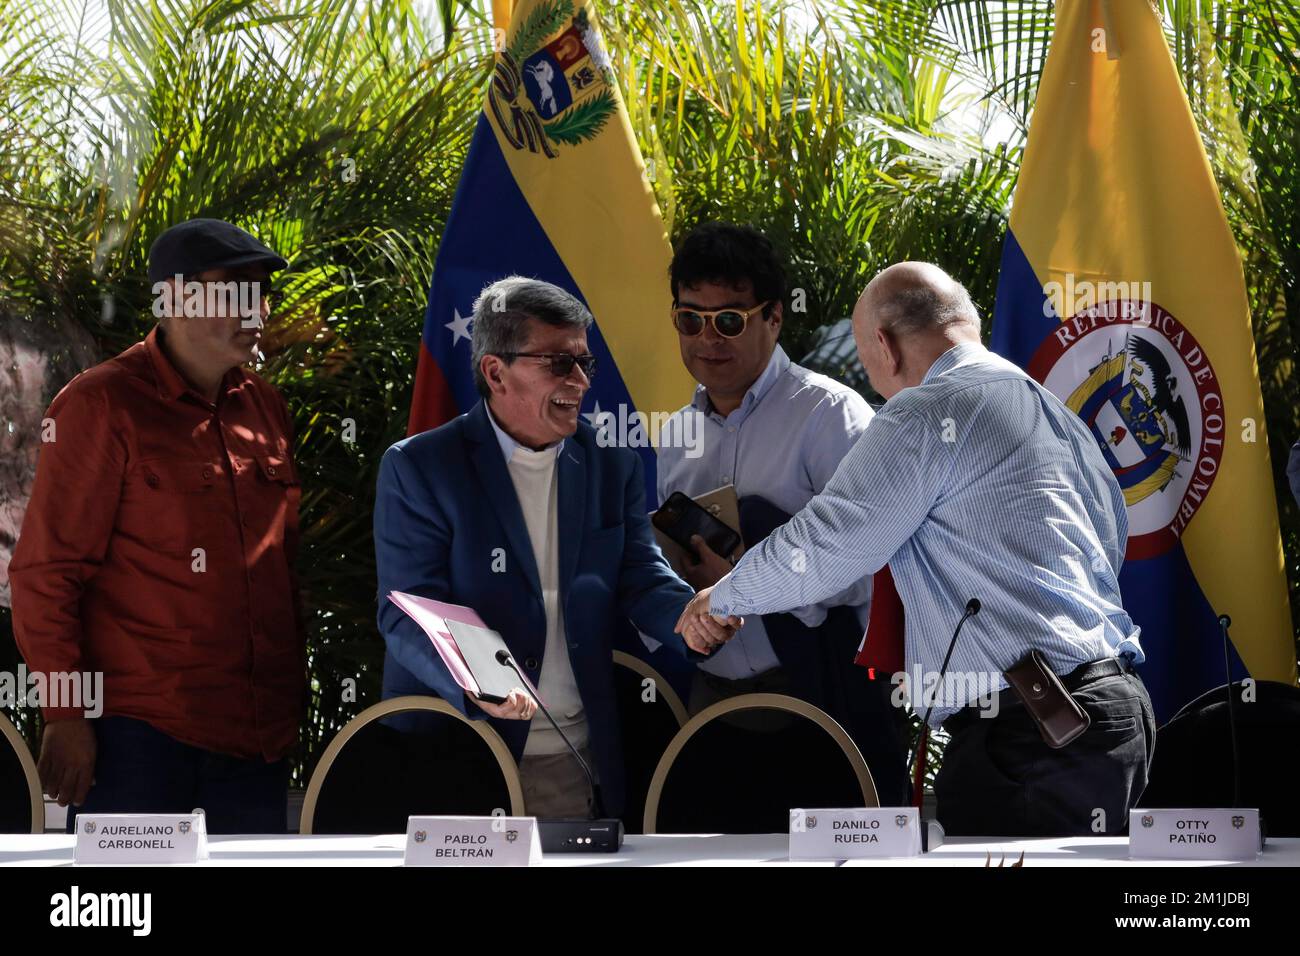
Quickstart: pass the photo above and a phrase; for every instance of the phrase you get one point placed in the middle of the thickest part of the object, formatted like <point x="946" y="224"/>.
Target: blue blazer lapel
<point x="571" y="508"/>
<point x="499" y="490"/>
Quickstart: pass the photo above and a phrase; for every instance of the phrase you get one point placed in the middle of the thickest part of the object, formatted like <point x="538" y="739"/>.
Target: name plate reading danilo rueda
<point x="854" y="833"/>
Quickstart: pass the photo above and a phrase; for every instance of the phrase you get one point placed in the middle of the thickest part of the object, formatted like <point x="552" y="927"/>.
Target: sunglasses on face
<point x="561" y="362"/>
<point x="728" y="323"/>
<point x="241" y="292"/>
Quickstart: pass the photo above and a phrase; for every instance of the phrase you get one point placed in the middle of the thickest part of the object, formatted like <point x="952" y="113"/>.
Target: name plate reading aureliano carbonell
<point x="141" y="838"/>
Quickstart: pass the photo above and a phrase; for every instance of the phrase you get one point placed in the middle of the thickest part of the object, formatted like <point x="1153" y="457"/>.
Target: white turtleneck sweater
<point x="533" y="474"/>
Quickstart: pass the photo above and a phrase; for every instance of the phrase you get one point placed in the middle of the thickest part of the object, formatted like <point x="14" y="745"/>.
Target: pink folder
<point x="432" y="616"/>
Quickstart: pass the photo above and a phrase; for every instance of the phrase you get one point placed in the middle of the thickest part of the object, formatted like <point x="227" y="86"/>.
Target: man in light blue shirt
<point x="976" y="482"/>
<point x="776" y="432"/>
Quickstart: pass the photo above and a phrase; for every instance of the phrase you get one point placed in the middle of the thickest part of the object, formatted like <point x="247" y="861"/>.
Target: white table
<point x="55" y="849"/>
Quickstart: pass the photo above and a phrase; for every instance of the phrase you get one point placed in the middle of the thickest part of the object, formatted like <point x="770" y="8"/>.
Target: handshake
<point x="702" y="631"/>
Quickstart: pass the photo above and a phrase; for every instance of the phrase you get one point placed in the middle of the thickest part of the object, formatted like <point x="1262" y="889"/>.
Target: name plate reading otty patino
<point x="1194" y="834"/>
<point x="855" y="832"/>
<point x="141" y="838"/>
<point x="472" y="841"/>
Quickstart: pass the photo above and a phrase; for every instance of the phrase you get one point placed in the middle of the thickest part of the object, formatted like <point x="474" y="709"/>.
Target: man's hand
<point x="519" y="705"/>
<point x="67" y="764"/>
<point x="706" y="570"/>
<point x="702" y="631"/>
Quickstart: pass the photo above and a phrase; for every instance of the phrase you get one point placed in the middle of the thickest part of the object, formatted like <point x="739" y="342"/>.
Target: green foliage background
<point x="854" y="132"/>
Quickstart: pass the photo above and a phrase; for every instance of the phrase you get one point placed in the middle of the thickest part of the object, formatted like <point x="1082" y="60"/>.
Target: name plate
<point x="141" y="838"/>
<point x="855" y="833"/>
<point x="1194" y="834"/>
<point x="472" y="841"/>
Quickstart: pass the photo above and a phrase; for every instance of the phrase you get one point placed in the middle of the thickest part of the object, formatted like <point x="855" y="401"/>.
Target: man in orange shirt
<point x="158" y="549"/>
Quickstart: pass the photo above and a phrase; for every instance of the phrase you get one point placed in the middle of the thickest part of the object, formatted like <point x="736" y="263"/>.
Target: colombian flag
<point x="554" y="188"/>
<point x="1121" y="290"/>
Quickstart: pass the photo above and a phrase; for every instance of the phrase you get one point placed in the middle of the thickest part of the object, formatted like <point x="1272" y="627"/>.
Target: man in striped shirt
<point x="974" y="481"/>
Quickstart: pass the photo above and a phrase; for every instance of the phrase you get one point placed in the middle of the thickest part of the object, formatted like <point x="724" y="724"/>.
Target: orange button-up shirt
<point x="157" y="549"/>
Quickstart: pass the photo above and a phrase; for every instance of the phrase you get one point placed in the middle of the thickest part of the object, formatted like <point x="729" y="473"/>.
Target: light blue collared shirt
<point x="977" y="483"/>
<point x="783" y="443"/>
<point x="508" y="444"/>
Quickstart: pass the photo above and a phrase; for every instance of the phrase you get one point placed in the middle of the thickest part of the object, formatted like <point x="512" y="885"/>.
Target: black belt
<point x="1081" y="675"/>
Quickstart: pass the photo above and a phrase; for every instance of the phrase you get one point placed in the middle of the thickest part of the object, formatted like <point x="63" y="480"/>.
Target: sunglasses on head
<point x="728" y="323"/>
<point x="561" y="362"/>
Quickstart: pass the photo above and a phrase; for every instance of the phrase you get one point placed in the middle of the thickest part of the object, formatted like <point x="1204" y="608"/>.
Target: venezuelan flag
<point x="1121" y="290"/>
<point x="554" y="188"/>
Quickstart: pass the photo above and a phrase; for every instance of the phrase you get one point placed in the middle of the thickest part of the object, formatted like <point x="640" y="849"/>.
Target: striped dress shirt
<point x="977" y="483"/>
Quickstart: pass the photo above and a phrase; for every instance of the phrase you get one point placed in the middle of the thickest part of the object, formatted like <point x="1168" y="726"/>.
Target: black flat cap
<point x="195" y="245"/>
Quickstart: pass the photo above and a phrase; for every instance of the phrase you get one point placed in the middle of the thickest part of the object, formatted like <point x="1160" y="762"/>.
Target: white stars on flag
<point x="459" y="327"/>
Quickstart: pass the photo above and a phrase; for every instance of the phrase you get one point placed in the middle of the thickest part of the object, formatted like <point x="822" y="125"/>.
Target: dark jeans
<point x="1000" y="779"/>
<point x="141" y="770"/>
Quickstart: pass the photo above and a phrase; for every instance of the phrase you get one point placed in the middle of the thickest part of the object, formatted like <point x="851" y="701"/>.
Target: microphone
<point x="916" y="762"/>
<point x="597" y="833"/>
<point x="1225" y="622"/>
<point x="972" y="608"/>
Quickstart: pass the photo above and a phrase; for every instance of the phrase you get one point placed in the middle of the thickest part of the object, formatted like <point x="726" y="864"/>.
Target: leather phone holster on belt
<point x="1059" y="717"/>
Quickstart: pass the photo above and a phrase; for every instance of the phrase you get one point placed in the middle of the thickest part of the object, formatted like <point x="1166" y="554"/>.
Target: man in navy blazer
<point x="514" y="509"/>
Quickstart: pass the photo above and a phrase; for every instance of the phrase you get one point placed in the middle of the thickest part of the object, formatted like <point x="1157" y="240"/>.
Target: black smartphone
<point x="682" y="518"/>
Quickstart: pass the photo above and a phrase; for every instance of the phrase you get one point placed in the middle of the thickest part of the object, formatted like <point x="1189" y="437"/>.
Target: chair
<point x="373" y="776"/>
<point x="742" y="764"/>
<point x="1192" y="764"/>
<point x="22" y="805"/>
<point x="648" y="727"/>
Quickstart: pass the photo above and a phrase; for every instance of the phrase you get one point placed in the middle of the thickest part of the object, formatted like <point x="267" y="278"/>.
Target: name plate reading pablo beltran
<point x="141" y="838"/>
<point x="472" y="841"/>
<point x="1194" y="834"/>
<point x="855" y="832"/>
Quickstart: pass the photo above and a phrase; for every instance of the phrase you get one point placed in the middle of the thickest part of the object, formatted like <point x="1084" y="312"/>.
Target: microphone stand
<point x="1225" y="622"/>
<point x="597" y="808"/>
<point x="917" y="772"/>
<point x="597" y="833"/>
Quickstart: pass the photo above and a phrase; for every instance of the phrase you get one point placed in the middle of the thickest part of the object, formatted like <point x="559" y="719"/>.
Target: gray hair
<point x="923" y="308"/>
<point x="501" y="312"/>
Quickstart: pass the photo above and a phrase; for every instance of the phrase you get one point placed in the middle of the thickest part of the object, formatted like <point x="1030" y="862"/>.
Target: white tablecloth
<point x="52" y="849"/>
